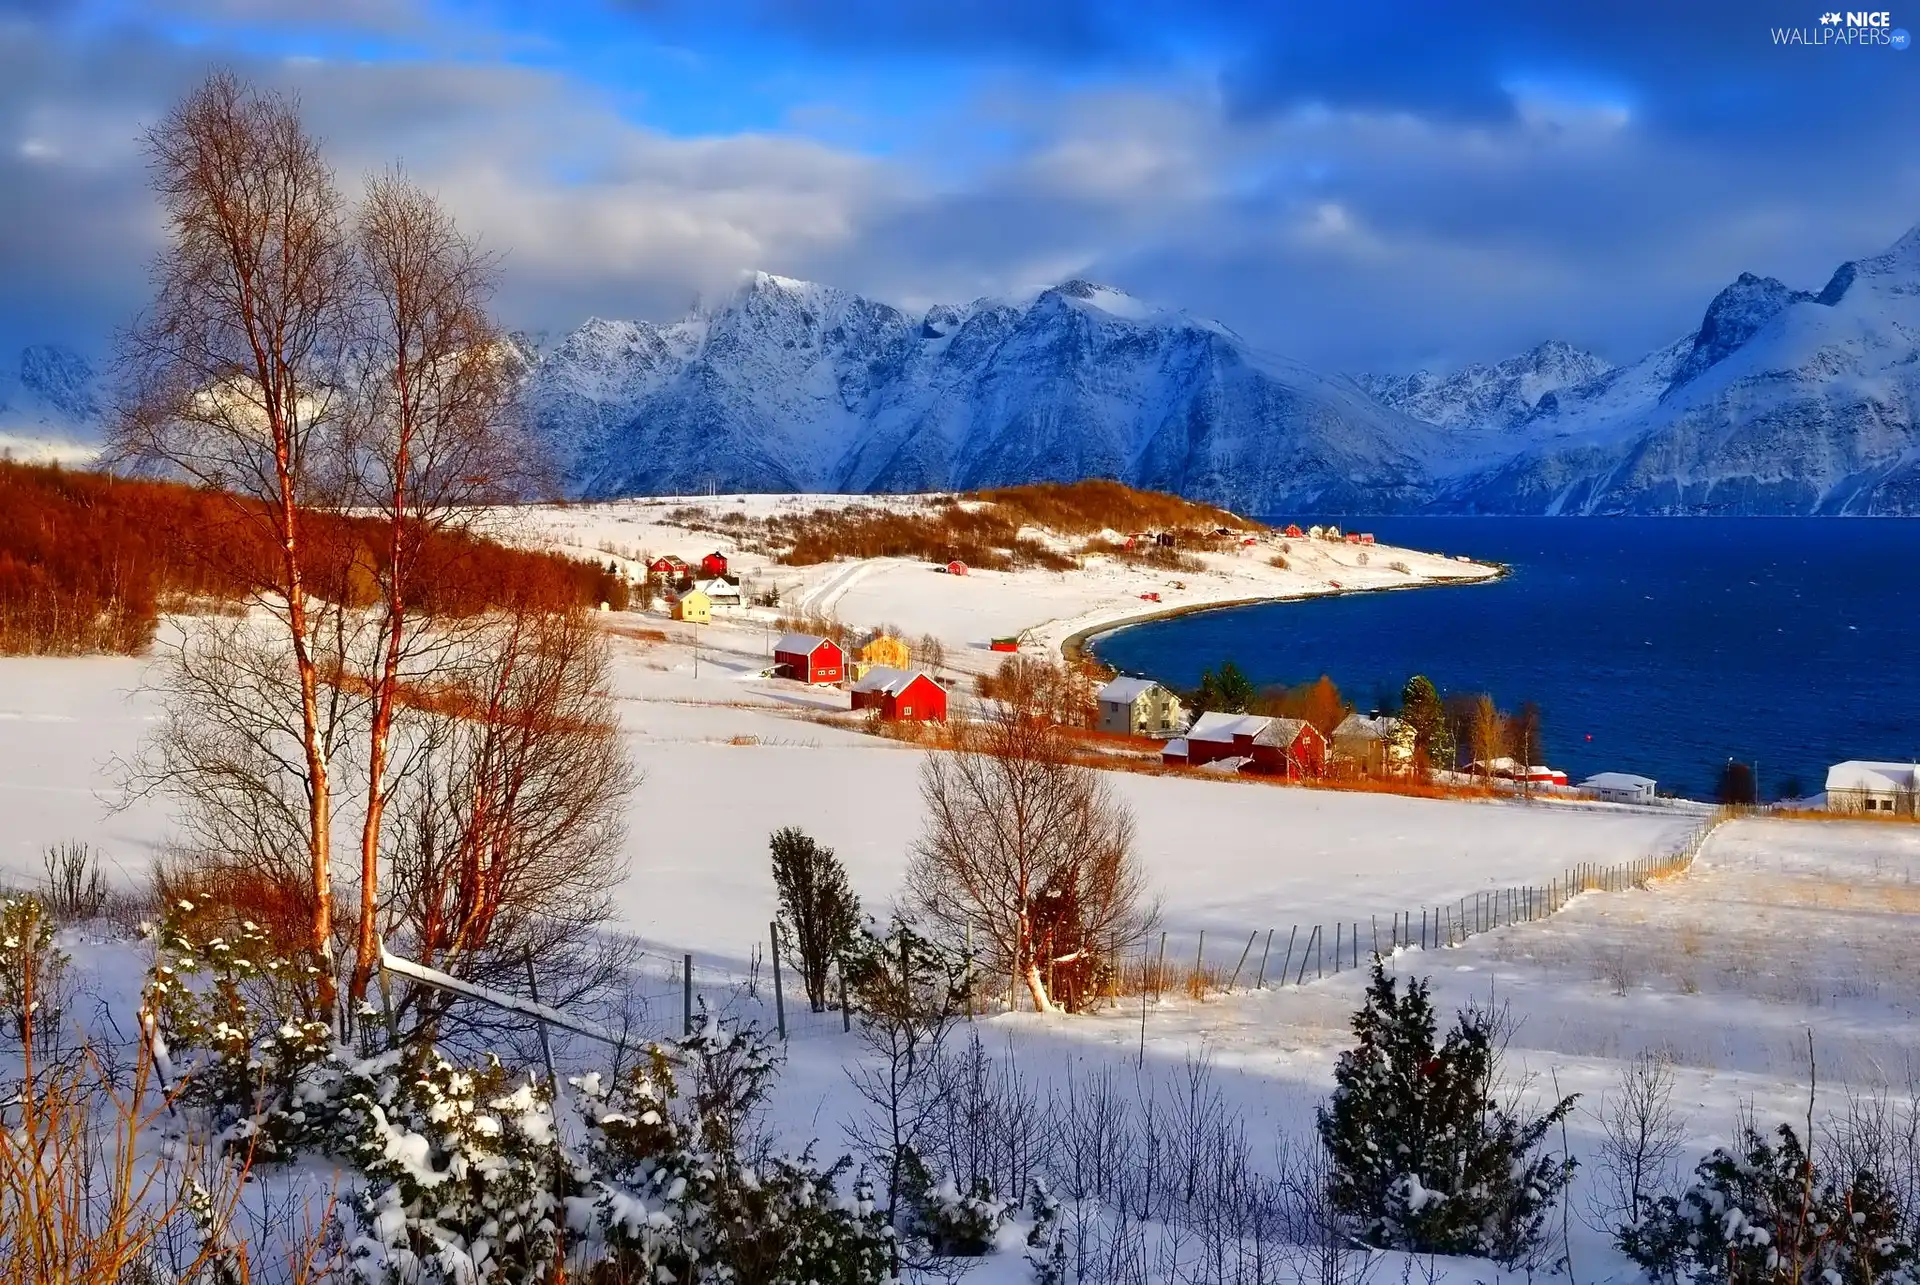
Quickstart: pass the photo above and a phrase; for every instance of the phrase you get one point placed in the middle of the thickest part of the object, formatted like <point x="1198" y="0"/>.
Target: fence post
<point x="1266" y="950"/>
<point x="967" y="965"/>
<point x="686" y="995"/>
<point x="1160" y="971"/>
<point x="1287" y="967"/>
<point x="1319" y="955"/>
<point x="846" y="1014"/>
<point x="1338" y="947"/>
<point x="546" y="1047"/>
<point x="1355" y="939"/>
<point x="779" y="999"/>
<point x="1312" y="943"/>
<point x="1373" y="923"/>
<point x="1243" y="960"/>
<point x="1198" y="952"/>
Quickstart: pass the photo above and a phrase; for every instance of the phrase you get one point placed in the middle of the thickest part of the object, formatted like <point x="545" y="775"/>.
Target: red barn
<point x="1288" y="747"/>
<point x="668" y="568"/>
<point x="901" y="694"/>
<point x="714" y="564"/>
<point x="806" y="658"/>
<point x="1294" y="533"/>
<point x="956" y="568"/>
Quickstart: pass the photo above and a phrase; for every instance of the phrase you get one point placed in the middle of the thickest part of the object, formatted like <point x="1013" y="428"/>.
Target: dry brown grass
<point x="1811" y="814"/>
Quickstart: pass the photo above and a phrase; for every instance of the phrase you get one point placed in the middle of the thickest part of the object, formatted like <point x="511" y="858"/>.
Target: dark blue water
<point x="1657" y="646"/>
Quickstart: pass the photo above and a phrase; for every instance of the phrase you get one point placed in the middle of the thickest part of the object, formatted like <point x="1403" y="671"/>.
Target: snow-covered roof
<point x="1175" y="748"/>
<point x="1125" y="691"/>
<point x="890" y="681"/>
<point x="718" y="588"/>
<point x="1867" y="774"/>
<point x="1281" y="731"/>
<point x="800" y="644"/>
<point x="1618" y="781"/>
<point x="1222" y="728"/>
<point x="1378" y="727"/>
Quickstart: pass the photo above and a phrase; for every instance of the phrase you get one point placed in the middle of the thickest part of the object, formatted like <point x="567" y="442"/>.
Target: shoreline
<point x="1078" y="644"/>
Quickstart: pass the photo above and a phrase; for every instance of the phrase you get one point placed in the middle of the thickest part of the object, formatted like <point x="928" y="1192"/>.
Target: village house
<point x="1139" y="707"/>
<point x="1370" y="744"/>
<point x="714" y="564"/>
<point x="1620" y="787"/>
<point x="720" y="593"/>
<point x="1507" y="769"/>
<point x="693" y="606"/>
<point x="884" y="650"/>
<point x="1863" y="785"/>
<point x="807" y="658"/>
<point x="908" y="695"/>
<point x="668" y="568"/>
<point x="1289" y="747"/>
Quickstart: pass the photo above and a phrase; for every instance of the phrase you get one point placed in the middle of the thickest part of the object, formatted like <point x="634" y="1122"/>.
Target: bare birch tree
<point x="434" y="439"/>
<point x="507" y="840"/>
<point x="234" y="374"/>
<point x="1014" y="829"/>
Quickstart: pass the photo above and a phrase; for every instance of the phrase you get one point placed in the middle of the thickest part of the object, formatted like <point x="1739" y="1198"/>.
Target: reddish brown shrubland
<point x="982" y="528"/>
<point x="88" y="560"/>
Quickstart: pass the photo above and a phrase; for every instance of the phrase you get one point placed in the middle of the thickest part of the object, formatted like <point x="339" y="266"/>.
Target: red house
<point x="1294" y="533"/>
<point x="956" y="568"/>
<point x="901" y="694"/>
<point x="668" y="568"/>
<point x="714" y="564"/>
<point x="808" y="659"/>
<point x="1288" y="747"/>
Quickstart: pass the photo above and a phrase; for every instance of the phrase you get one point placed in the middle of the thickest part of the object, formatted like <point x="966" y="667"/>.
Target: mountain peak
<point x="1736" y="314"/>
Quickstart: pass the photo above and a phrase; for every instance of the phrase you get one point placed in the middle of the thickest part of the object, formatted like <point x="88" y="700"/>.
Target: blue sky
<point x="1371" y="186"/>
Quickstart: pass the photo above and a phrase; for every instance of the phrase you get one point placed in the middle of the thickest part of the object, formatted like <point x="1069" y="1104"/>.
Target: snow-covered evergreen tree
<point x="1424" y="1158"/>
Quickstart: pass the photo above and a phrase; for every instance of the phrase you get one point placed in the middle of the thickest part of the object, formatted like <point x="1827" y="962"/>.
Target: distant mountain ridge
<point x="1781" y="401"/>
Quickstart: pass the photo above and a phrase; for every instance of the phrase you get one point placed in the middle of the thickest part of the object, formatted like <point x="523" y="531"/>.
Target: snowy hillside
<point x="794" y="386"/>
<point x="1482" y="398"/>
<point x="51" y="407"/>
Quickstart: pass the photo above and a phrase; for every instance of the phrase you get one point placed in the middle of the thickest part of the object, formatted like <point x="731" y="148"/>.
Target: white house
<point x="1139" y="707"/>
<point x="722" y="593"/>
<point x="1620" y="787"/>
<point x="1860" y="785"/>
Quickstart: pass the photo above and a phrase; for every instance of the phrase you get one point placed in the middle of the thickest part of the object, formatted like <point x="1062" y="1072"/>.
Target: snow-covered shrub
<point x="235" y="1037"/>
<point x="32" y="972"/>
<point x="1046" y="1243"/>
<point x="1768" y="1215"/>
<point x="676" y="1190"/>
<point x="937" y="1214"/>
<point x="463" y="1175"/>
<point x="1424" y="1158"/>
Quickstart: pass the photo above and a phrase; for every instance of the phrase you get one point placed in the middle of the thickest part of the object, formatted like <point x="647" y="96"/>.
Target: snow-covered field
<point x="1223" y="855"/>
<point x="964" y="612"/>
<point x="1782" y="927"/>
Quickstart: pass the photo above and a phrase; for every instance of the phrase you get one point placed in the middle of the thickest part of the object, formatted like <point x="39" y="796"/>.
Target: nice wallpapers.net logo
<point x="1853" y="29"/>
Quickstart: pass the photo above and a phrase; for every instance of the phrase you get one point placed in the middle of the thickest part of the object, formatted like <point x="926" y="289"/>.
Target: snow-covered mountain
<point x="788" y="385"/>
<point x="1483" y="398"/>
<point x="1782" y="402"/>
<point x="51" y="407"/>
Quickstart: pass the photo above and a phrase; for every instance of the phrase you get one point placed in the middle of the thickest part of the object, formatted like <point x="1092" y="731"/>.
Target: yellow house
<point x="886" y="650"/>
<point x="694" y="607"/>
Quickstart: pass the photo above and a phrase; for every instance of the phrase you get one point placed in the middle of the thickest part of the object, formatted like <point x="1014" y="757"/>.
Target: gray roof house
<point x="1139" y="707"/>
